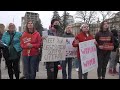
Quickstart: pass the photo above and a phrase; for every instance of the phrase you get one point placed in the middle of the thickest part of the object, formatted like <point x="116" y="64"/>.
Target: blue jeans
<point x="30" y="63"/>
<point x="64" y="63"/>
<point x="80" y="72"/>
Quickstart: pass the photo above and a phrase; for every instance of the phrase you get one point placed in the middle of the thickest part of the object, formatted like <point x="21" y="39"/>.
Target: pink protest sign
<point x="88" y="55"/>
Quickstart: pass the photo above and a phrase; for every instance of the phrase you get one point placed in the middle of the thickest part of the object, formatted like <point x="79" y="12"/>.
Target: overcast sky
<point x="7" y="17"/>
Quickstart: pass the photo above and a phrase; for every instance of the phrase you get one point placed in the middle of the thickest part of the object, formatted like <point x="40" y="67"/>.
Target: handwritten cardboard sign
<point x="88" y="55"/>
<point x="54" y="49"/>
<point x="70" y="50"/>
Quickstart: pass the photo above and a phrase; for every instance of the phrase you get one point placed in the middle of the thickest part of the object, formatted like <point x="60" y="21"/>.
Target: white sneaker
<point x="77" y="69"/>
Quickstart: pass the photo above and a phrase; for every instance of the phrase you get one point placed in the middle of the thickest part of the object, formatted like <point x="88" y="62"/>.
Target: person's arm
<point x="3" y="37"/>
<point x="97" y="39"/>
<point x="116" y="44"/>
<point x="20" y="34"/>
<point x="75" y="42"/>
<point x="22" y="44"/>
<point x="37" y="45"/>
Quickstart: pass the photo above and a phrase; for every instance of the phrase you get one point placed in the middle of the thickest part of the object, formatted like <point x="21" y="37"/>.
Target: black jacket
<point x="4" y="49"/>
<point x="116" y="43"/>
<point x="115" y="37"/>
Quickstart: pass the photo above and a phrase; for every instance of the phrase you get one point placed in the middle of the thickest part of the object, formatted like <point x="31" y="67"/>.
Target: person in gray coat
<point x="67" y="34"/>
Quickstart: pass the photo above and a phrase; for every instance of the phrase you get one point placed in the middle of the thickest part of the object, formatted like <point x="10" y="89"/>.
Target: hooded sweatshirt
<point x="34" y="39"/>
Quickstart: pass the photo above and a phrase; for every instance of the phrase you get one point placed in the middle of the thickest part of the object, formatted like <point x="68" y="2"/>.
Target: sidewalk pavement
<point x="42" y="74"/>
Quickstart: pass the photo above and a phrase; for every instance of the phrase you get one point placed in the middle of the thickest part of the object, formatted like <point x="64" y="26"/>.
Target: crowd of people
<point x="27" y="46"/>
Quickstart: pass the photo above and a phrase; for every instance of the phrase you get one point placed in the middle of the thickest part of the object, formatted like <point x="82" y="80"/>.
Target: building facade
<point x="69" y="19"/>
<point x="94" y="28"/>
<point x="19" y="28"/>
<point x="28" y="16"/>
<point x="114" y="22"/>
<point x="22" y="24"/>
<point x="76" y="28"/>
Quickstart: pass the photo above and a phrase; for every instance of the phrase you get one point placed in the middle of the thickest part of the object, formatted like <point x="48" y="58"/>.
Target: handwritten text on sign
<point x="54" y="49"/>
<point x="88" y="55"/>
<point x="70" y="50"/>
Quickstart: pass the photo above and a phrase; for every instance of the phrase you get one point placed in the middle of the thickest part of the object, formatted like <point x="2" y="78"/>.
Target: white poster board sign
<point x="70" y="50"/>
<point x="54" y="49"/>
<point x="88" y="55"/>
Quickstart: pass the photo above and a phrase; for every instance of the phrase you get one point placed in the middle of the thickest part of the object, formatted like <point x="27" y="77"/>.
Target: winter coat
<point x="16" y="40"/>
<point x="34" y="39"/>
<point x="105" y="39"/>
<point x="81" y="37"/>
<point x="115" y="37"/>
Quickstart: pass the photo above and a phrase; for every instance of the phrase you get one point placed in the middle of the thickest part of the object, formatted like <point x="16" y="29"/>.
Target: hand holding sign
<point x="44" y="37"/>
<point x="95" y="42"/>
<point x="76" y="41"/>
<point x="54" y="49"/>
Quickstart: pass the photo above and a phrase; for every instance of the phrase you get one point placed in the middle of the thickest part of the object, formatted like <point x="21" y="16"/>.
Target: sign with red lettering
<point x="54" y="49"/>
<point x="70" y="50"/>
<point x="88" y="55"/>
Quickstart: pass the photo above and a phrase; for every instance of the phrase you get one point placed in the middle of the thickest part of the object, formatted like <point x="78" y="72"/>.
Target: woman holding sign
<point x="105" y="45"/>
<point x="30" y="43"/>
<point x="84" y="35"/>
<point x="52" y="67"/>
<point x="67" y="34"/>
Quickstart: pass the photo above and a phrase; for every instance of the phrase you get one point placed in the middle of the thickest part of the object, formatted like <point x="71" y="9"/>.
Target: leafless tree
<point x="106" y="14"/>
<point x="86" y="16"/>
